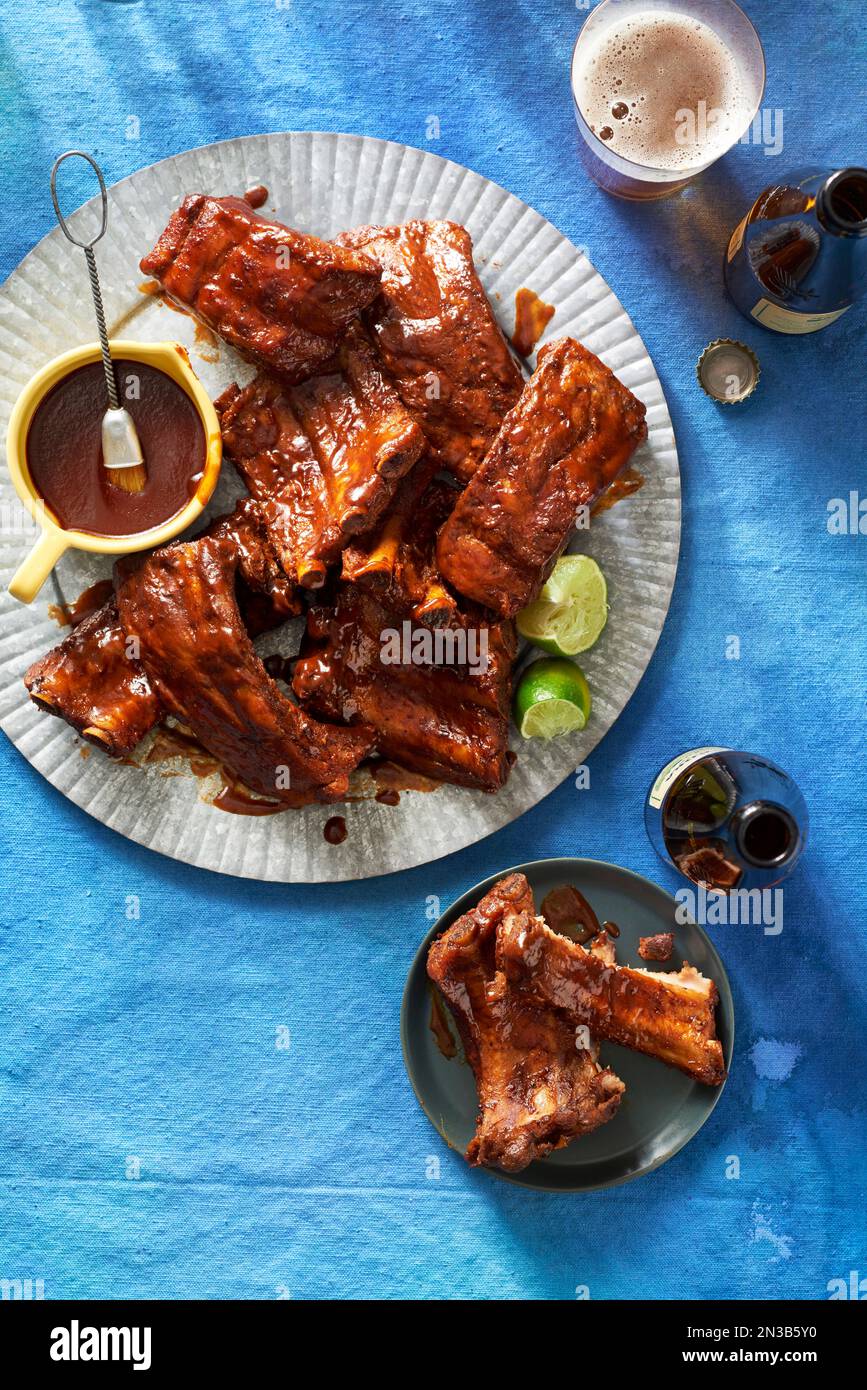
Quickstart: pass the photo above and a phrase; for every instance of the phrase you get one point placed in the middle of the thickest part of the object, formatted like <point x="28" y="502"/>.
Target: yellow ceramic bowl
<point x="170" y="358"/>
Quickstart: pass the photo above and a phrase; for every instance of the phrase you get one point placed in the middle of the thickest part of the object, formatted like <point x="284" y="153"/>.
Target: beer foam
<point x="661" y="89"/>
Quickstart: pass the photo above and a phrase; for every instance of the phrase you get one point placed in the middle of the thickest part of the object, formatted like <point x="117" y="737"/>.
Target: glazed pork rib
<point x="445" y="718"/>
<point x="537" y="1088"/>
<point x="394" y="651"/>
<point x="398" y="560"/>
<point x="93" y="680"/>
<point x="436" y="696"/>
<point x="438" y="337"/>
<point x="179" y="603"/>
<point x="669" y="1015"/>
<point x="563" y="444"/>
<point x="282" y="298"/>
<point x="323" y="458"/>
<point x="266" y="595"/>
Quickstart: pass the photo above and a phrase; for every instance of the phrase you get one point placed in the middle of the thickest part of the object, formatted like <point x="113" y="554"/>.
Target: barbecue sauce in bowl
<point x="64" y="450"/>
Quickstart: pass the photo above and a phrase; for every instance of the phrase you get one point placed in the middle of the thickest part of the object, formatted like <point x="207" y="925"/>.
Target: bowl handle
<point x="32" y="573"/>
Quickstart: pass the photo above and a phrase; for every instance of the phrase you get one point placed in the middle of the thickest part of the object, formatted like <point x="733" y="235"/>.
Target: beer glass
<point x="628" y="177"/>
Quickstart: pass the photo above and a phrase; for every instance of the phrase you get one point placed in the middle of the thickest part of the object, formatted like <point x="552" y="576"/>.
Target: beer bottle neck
<point x="841" y="203"/>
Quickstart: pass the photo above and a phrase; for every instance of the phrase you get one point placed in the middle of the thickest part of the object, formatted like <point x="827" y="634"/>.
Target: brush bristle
<point x="129" y="479"/>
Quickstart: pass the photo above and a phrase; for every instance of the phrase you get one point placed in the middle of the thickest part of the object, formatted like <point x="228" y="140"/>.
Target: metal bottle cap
<point x="728" y="371"/>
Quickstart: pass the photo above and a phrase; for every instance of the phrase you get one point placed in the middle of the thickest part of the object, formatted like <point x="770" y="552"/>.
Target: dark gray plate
<point x="661" y="1110"/>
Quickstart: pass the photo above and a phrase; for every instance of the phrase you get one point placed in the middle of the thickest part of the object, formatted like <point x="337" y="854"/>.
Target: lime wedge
<point x="571" y="610"/>
<point x="552" y="698"/>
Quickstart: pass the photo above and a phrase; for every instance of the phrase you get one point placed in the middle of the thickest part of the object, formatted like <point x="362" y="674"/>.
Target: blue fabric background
<point x="266" y="1171"/>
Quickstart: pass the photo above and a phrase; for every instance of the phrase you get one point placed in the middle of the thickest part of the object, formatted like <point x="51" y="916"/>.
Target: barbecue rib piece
<point x="433" y="713"/>
<point x="394" y="651"/>
<point x="398" y="560"/>
<point x="93" y="681"/>
<point x="180" y="603"/>
<point x="323" y="458"/>
<point x="281" y="298"/>
<point x="665" y="1014"/>
<point x="562" y="445"/>
<point x="438" y="337"/>
<point x="537" y="1088"/>
<point x="266" y="596"/>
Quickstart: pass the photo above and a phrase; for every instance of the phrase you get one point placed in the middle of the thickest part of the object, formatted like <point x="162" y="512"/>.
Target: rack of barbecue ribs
<point x="323" y="458"/>
<point x="559" y="448"/>
<point x="538" y="1088"/>
<point x="438" y="337"/>
<point x="281" y="298"/>
<point x="179" y="604"/>
<point x="669" y="1015"/>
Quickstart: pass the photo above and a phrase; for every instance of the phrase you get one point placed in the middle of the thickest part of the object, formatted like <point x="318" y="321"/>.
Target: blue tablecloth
<point x="157" y="1136"/>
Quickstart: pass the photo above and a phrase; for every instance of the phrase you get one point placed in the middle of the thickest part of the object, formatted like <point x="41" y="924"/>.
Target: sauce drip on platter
<point x="629" y="482"/>
<point x="532" y="316"/>
<point x="71" y="614"/>
<point x="256" y="197"/>
<point x="334" y="830"/>
<point x="389" y="777"/>
<point x="242" y="803"/>
<point x="388" y="797"/>
<point x="172" y="743"/>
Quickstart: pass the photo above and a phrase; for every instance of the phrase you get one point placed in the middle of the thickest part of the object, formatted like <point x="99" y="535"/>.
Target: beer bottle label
<point x="789" y="320"/>
<point x="737" y="239"/>
<point x="672" y="771"/>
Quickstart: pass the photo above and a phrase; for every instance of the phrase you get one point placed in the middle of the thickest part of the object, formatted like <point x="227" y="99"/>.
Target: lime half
<point x="552" y="698"/>
<point x="571" y="610"/>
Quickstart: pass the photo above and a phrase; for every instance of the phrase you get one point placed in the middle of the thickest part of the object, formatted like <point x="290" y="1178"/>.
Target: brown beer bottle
<point x="798" y="260"/>
<point x="727" y="819"/>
